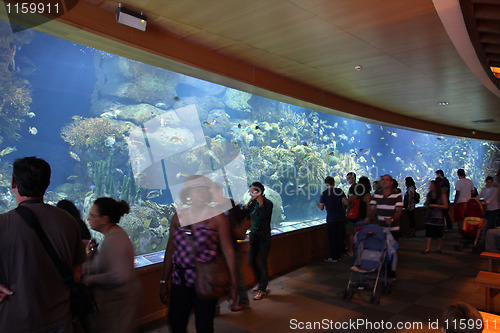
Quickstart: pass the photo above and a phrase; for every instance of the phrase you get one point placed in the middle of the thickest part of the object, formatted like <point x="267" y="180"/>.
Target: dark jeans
<point x="411" y="218"/>
<point x="336" y="233"/>
<point x="492" y="219"/>
<point x="257" y="258"/>
<point x="447" y="220"/>
<point x="242" y="289"/>
<point x="182" y="300"/>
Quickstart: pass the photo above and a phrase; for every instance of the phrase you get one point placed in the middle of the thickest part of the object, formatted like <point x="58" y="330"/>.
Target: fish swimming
<point x="7" y="150"/>
<point x="181" y="174"/>
<point x="77" y="117"/>
<point x="31" y="114"/>
<point x="33" y="130"/>
<point x="74" y="156"/>
<point x="177" y="139"/>
<point x="110" y="114"/>
<point x="160" y="105"/>
<point x="153" y="194"/>
<point x="110" y="141"/>
<point x="72" y="177"/>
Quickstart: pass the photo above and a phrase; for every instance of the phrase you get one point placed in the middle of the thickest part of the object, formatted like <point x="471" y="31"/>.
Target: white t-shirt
<point x="465" y="186"/>
<point x="490" y="196"/>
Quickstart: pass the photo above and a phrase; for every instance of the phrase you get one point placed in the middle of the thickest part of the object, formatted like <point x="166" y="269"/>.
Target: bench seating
<point x="491" y="281"/>
<point x="491" y="322"/>
<point x="492" y="258"/>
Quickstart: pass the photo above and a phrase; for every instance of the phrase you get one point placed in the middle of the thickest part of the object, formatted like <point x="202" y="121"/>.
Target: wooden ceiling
<point x="305" y="52"/>
<point x="482" y="19"/>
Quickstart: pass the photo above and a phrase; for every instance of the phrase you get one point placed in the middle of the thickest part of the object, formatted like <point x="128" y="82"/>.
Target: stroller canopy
<point x="372" y="237"/>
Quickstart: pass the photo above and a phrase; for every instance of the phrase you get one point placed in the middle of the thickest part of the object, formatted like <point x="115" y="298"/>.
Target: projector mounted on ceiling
<point x="131" y="18"/>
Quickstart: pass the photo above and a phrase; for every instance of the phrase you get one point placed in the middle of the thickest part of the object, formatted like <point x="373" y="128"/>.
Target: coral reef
<point x="145" y="228"/>
<point x="140" y="113"/>
<point x="90" y="133"/>
<point x="217" y="123"/>
<point x="15" y="92"/>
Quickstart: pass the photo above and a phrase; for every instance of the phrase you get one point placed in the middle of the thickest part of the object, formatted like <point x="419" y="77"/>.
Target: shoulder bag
<point x="82" y="300"/>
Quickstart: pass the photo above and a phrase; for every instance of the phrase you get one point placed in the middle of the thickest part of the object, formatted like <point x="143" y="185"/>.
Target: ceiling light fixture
<point x="132" y="19"/>
<point x="443" y="103"/>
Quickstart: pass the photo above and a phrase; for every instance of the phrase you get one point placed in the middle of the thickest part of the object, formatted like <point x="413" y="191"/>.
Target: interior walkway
<point x="425" y="285"/>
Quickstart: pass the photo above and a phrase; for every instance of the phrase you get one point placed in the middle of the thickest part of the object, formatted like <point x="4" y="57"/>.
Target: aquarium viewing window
<point x="111" y="126"/>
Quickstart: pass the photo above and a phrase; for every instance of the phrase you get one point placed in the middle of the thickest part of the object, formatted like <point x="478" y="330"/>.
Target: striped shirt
<point x="385" y="207"/>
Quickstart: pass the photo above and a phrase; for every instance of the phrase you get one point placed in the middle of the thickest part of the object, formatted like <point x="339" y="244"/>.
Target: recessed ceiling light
<point x="443" y="103"/>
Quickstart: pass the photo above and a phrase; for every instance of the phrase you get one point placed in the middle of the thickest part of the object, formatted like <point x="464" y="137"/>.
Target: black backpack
<point x="416" y="198"/>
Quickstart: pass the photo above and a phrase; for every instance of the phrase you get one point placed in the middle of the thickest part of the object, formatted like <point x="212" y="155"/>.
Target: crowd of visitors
<point x="385" y="205"/>
<point x="207" y="227"/>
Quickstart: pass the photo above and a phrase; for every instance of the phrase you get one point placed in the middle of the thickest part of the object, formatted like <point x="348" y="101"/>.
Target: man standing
<point x="386" y="207"/>
<point x="445" y="185"/>
<point x="33" y="295"/>
<point x="260" y="210"/>
<point x="463" y="192"/>
<point x="334" y="199"/>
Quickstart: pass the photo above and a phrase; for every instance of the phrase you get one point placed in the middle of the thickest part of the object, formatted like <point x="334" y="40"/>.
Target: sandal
<point x="425" y="252"/>
<point x="438" y="251"/>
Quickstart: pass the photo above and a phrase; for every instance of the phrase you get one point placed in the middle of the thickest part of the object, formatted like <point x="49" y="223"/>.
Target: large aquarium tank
<point x="111" y="126"/>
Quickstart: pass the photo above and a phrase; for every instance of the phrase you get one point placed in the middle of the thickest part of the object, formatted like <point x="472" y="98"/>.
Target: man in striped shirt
<point x="386" y="207"/>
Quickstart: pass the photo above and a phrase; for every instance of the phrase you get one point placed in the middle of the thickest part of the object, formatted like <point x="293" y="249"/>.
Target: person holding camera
<point x="260" y="210"/>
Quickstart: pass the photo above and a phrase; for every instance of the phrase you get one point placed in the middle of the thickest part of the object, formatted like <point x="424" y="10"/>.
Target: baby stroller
<point x="473" y="223"/>
<point x="369" y="261"/>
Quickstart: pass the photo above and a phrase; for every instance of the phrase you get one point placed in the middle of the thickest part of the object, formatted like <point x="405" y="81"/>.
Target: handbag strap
<point x="33" y="223"/>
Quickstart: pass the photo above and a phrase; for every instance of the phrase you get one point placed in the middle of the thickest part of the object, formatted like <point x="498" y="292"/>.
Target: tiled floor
<point x="425" y="285"/>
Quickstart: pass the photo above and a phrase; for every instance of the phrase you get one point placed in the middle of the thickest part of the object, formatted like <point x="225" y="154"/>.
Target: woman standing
<point x="435" y="203"/>
<point x="363" y="191"/>
<point x="260" y="210"/>
<point x="195" y="235"/>
<point x="409" y="204"/>
<point x="110" y="270"/>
